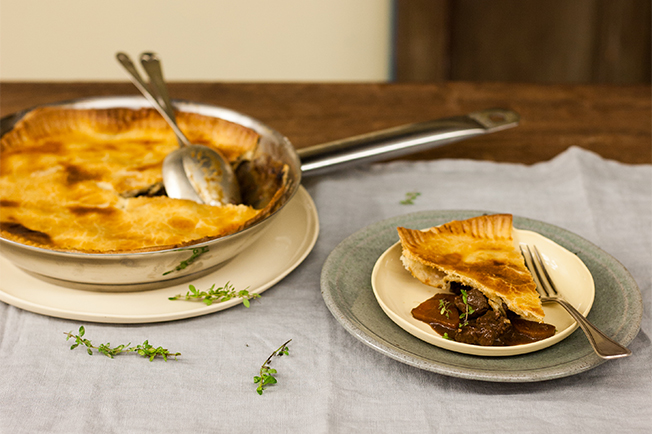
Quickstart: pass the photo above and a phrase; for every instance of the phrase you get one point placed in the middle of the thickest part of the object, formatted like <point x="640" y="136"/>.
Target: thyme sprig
<point x="444" y="309"/>
<point x="196" y="253"/>
<point x="410" y="197"/>
<point x="266" y="374"/>
<point x="216" y="295"/>
<point x="469" y="310"/>
<point x="144" y="349"/>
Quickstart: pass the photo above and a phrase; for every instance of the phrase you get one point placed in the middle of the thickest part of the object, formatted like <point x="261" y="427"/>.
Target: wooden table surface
<point x="613" y="121"/>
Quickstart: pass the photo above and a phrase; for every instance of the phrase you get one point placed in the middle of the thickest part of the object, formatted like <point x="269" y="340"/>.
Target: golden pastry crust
<point x="69" y="181"/>
<point x="40" y="128"/>
<point x="479" y="253"/>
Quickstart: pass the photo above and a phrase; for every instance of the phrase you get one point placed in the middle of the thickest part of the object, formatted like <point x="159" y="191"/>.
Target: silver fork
<point x="604" y="346"/>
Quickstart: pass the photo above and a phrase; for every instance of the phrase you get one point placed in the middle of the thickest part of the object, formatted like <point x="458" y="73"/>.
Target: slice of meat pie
<point x="478" y="253"/>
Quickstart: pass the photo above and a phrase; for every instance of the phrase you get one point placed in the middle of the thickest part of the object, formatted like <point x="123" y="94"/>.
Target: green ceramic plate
<point x="347" y="291"/>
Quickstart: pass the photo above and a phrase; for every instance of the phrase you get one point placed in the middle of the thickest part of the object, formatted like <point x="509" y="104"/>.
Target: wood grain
<point x="422" y="42"/>
<point x="613" y="121"/>
<point x="552" y="41"/>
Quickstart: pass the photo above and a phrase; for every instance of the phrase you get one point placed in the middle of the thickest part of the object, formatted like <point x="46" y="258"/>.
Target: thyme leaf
<point x="410" y="197"/>
<point x="196" y="253"/>
<point x="443" y="306"/>
<point x="145" y="349"/>
<point x="469" y="310"/>
<point x="216" y="295"/>
<point x="266" y="376"/>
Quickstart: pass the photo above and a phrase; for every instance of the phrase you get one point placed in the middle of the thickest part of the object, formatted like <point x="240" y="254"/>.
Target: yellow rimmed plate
<point x="397" y="293"/>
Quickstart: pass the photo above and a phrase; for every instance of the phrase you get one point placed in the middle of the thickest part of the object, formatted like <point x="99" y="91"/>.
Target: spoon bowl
<point x="198" y="171"/>
<point x="193" y="172"/>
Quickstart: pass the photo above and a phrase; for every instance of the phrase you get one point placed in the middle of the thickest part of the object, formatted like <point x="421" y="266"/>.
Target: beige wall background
<point x="212" y="40"/>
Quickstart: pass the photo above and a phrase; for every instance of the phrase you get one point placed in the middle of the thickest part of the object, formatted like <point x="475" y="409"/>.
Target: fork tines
<point x="538" y="269"/>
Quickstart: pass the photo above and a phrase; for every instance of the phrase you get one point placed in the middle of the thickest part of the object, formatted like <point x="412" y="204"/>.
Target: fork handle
<point x="604" y="346"/>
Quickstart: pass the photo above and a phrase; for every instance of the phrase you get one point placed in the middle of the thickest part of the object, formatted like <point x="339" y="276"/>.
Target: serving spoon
<point x="194" y="172"/>
<point x="185" y="177"/>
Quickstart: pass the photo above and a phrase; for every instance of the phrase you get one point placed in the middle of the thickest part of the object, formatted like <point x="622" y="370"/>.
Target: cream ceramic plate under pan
<point x="397" y="293"/>
<point x="282" y="247"/>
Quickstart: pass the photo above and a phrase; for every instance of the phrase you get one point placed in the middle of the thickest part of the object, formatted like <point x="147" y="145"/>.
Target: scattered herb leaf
<point x="144" y="349"/>
<point x="196" y="253"/>
<point x="410" y="197"/>
<point x="216" y="295"/>
<point x="266" y="374"/>
<point x="443" y="305"/>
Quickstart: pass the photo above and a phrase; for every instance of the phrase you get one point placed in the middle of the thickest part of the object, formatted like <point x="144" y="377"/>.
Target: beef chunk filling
<point x="472" y="301"/>
<point x="466" y="316"/>
<point x="486" y="330"/>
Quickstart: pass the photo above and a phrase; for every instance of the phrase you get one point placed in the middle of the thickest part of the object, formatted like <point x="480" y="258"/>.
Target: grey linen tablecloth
<point x="331" y="382"/>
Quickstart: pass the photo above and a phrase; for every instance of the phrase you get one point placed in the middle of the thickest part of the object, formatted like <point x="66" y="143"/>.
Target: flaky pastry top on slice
<point x="479" y="253"/>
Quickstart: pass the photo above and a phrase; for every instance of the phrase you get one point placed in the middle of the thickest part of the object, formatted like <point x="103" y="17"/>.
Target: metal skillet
<point x="148" y="270"/>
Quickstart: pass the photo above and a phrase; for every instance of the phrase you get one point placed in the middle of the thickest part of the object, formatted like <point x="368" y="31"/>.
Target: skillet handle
<point x="403" y="140"/>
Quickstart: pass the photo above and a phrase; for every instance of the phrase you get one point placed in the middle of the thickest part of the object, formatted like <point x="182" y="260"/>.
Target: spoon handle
<point x="153" y="96"/>
<point x="152" y="66"/>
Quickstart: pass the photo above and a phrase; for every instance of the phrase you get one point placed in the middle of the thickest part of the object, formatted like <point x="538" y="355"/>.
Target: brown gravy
<point x="489" y="328"/>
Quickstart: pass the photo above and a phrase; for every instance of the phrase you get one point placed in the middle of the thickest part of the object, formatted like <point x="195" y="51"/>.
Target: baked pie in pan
<point x="89" y="180"/>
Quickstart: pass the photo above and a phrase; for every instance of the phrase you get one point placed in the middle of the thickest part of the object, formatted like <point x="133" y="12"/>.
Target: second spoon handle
<point x="152" y="66"/>
<point x="164" y="108"/>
